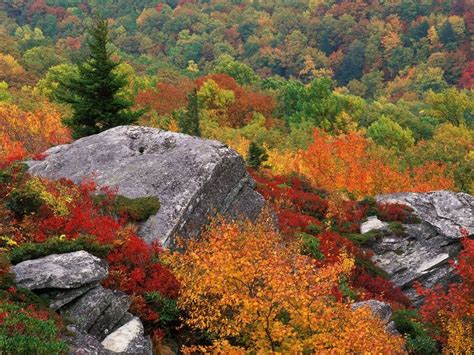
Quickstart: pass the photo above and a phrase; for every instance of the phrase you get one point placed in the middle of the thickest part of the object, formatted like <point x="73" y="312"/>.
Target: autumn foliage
<point x="345" y="163"/>
<point x="25" y="133"/>
<point x="252" y="291"/>
<point x="36" y="210"/>
<point x="165" y="97"/>
<point x="246" y="102"/>
<point x="450" y="312"/>
<point x="329" y="219"/>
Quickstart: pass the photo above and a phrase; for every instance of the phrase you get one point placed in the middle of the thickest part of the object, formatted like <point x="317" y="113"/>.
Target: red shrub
<point x="455" y="302"/>
<point x="378" y="288"/>
<point x="301" y="208"/>
<point x="134" y="266"/>
<point x="348" y="215"/>
<point x="391" y="212"/>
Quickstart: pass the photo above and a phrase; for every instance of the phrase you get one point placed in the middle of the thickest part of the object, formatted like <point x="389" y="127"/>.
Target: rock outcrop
<point x="61" y="271"/>
<point x="422" y="254"/>
<point x="192" y="177"/>
<point x="446" y="211"/>
<point x="100" y="323"/>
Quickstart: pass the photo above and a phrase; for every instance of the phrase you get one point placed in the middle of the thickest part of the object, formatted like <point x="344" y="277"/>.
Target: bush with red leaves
<point x="454" y="303"/>
<point x="301" y="208"/>
<point x="395" y="212"/>
<point x="70" y="211"/>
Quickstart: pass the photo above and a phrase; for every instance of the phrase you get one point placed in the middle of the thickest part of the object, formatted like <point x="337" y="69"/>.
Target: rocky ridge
<point x="99" y="317"/>
<point x="192" y="177"/>
<point x="423" y="252"/>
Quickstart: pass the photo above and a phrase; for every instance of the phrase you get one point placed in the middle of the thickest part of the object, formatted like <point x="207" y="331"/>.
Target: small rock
<point x="128" y="339"/>
<point x="70" y="270"/>
<point x="372" y="223"/>
<point x="86" y="310"/>
<point x="60" y="298"/>
<point x="127" y="317"/>
<point x="81" y="343"/>
<point x="111" y="316"/>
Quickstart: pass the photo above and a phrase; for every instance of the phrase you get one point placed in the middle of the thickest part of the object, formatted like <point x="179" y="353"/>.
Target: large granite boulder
<point x="62" y="271"/>
<point x="423" y="252"/>
<point x="192" y="177"/>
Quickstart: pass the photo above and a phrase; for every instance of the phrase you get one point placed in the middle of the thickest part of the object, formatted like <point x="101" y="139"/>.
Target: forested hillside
<point x="269" y="72"/>
<point x="330" y="103"/>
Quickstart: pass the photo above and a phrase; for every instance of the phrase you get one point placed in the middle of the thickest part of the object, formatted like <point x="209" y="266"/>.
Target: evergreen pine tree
<point x="352" y="66"/>
<point x="256" y="156"/>
<point x="93" y="95"/>
<point x="447" y="36"/>
<point x="188" y="121"/>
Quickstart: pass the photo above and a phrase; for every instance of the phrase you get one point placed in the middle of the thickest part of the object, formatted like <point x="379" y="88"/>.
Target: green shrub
<point x="166" y="307"/>
<point x="58" y="245"/>
<point x="345" y="288"/>
<point x="310" y="246"/>
<point x="6" y="277"/>
<point x="5" y="176"/>
<point x="365" y="239"/>
<point x="314" y="229"/>
<point x="421" y="345"/>
<point x="418" y="341"/>
<point x="397" y="229"/>
<point x="16" y="170"/>
<point x="25" y="332"/>
<point x="256" y="156"/>
<point x="371" y="205"/>
<point x="371" y="268"/>
<point x="138" y="209"/>
<point x="23" y="202"/>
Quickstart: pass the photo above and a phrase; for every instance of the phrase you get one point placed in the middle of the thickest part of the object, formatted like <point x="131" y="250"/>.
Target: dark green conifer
<point x="257" y="155"/>
<point x="188" y="121"/>
<point x="447" y="36"/>
<point x="93" y="95"/>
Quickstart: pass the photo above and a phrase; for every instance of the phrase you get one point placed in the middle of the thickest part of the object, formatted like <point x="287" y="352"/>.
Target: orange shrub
<point x="250" y="291"/>
<point x="24" y="133"/>
<point x="344" y="163"/>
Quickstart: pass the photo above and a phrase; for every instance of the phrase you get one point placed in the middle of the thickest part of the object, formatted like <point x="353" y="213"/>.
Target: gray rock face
<point x="81" y="343"/>
<point x="127" y="317"/>
<point x="192" y="177"/>
<point x="372" y="223"/>
<point x="424" y="252"/>
<point x="111" y="316"/>
<point x="60" y="271"/>
<point x="380" y="309"/>
<point x="70" y="282"/>
<point x="59" y="298"/>
<point x="444" y="210"/>
<point x="128" y="339"/>
<point x="86" y="310"/>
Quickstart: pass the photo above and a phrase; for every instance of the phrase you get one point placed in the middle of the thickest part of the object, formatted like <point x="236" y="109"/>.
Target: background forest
<point x="397" y="76"/>
<point x="330" y="102"/>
